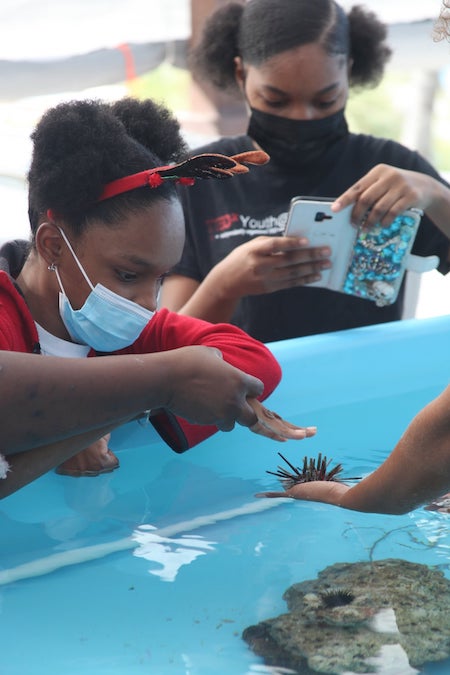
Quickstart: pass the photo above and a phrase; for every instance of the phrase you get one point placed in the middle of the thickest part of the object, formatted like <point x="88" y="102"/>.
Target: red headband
<point x="199" y="166"/>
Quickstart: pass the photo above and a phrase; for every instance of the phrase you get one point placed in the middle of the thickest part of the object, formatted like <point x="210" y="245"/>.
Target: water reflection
<point x="170" y="553"/>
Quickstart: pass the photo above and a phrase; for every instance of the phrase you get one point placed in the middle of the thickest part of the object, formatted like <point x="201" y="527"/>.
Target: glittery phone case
<point x="369" y="264"/>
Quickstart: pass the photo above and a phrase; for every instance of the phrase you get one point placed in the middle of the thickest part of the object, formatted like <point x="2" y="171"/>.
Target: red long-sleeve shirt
<point x="167" y="330"/>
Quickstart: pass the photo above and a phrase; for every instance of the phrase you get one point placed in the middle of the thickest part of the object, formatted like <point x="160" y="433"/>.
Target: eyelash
<point x="326" y="104"/>
<point x="276" y="104"/>
<point x="127" y="277"/>
<point x="130" y="277"/>
<point x="282" y="104"/>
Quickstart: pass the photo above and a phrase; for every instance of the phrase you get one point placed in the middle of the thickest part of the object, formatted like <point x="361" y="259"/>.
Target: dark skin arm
<point x="262" y="265"/>
<point x="268" y="264"/>
<point x="52" y="408"/>
<point x="416" y="472"/>
<point x="27" y="465"/>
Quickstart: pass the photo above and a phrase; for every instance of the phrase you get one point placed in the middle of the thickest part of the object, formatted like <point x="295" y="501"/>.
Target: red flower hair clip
<point x="200" y="166"/>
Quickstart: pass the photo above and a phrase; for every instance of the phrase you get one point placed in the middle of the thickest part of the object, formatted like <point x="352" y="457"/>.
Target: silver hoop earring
<point x="52" y="267"/>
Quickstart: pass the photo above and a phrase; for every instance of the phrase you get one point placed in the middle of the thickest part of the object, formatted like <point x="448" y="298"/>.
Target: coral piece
<point x="355" y="613"/>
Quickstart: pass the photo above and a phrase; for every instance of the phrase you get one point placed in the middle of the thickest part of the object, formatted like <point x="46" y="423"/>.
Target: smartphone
<point x="369" y="264"/>
<point x="312" y="217"/>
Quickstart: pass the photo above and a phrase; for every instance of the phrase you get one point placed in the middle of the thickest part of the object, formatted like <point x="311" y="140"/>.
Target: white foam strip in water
<point x="54" y="562"/>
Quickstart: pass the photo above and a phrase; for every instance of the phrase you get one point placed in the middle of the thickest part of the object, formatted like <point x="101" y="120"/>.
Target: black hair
<point x="79" y="146"/>
<point x="261" y="29"/>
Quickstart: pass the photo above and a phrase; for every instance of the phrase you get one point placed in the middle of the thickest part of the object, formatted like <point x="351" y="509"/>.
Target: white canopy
<point x="54" y="29"/>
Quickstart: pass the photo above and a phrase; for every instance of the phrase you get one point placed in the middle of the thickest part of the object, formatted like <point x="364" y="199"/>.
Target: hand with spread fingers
<point x="271" y="425"/>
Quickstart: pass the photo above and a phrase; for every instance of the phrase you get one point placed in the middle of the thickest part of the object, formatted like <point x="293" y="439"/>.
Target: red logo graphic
<point x="222" y="223"/>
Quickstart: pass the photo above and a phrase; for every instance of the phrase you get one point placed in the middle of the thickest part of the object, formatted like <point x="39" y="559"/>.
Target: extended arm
<point x="28" y="465"/>
<point x="46" y="399"/>
<point x="170" y="330"/>
<point x="417" y="470"/>
<point x="262" y="265"/>
<point x="52" y="408"/>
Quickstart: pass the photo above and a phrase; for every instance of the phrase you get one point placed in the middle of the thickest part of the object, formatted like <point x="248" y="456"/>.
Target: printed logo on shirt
<point x="235" y="224"/>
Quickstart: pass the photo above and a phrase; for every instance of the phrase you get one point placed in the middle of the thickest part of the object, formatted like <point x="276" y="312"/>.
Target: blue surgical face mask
<point x="106" y="322"/>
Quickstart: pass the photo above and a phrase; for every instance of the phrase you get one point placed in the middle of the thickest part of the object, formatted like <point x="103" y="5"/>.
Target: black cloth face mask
<point x="296" y="144"/>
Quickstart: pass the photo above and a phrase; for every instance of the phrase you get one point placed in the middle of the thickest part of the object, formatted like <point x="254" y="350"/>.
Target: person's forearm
<point x="28" y="465"/>
<point x="417" y="470"/>
<point x="439" y="209"/>
<point x="374" y="496"/>
<point x="47" y="399"/>
<point x="210" y="300"/>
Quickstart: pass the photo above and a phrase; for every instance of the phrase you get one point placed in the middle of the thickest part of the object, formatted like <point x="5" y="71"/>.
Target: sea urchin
<point x="312" y="470"/>
<point x="336" y="597"/>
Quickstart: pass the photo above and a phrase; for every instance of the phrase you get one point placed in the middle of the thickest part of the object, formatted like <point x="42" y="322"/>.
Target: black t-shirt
<point x="221" y="215"/>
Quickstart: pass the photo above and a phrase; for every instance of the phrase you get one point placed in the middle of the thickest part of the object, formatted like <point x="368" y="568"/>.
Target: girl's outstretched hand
<point x="270" y="424"/>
